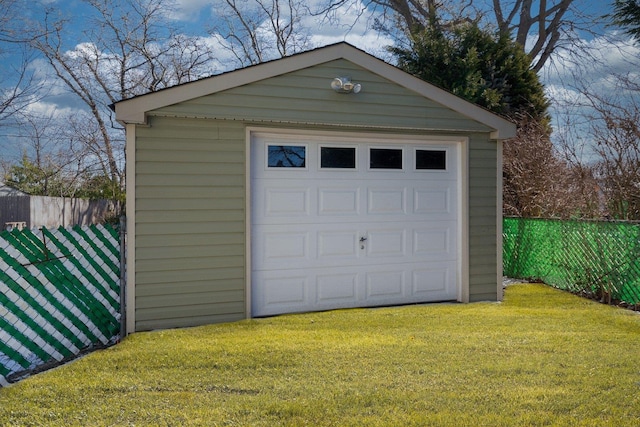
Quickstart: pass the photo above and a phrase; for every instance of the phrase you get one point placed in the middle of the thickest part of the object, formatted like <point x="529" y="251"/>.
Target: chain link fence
<point x="594" y="258"/>
<point x="59" y="295"/>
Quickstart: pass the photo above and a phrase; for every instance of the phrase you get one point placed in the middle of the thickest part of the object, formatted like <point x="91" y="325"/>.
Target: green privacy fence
<point x="598" y="259"/>
<point x="59" y="295"/>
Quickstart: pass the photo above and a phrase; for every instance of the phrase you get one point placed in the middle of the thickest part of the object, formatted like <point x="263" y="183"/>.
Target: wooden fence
<point x="43" y="211"/>
<point x="59" y="295"/>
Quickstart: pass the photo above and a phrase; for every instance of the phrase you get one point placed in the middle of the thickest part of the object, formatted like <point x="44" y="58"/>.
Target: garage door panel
<point x="386" y="201"/>
<point x="337" y="288"/>
<point x="386" y="243"/>
<point x="336" y="244"/>
<point x="303" y="205"/>
<point x="316" y="289"/>
<point x="335" y="201"/>
<point x="385" y="284"/>
<point x="289" y="246"/>
<point x="435" y="281"/>
<point x="325" y="239"/>
<point x="285" y="291"/>
<point x="431" y="243"/>
<point x="280" y="202"/>
<point x="432" y="201"/>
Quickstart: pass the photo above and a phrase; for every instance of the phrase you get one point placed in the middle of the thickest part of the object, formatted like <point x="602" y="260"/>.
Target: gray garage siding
<point x="190" y="210"/>
<point x="304" y="97"/>
<point x="482" y="218"/>
<point x="190" y="226"/>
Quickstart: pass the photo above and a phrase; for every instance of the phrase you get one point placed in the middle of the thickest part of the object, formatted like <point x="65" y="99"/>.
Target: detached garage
<point x="328" y="179"/>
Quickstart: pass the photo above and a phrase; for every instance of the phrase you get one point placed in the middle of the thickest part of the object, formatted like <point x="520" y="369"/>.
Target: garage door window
<point x="337" y="157"/>
<point x="385" y="158"/>
<point x="431" y="160"/>
<point x="287" y="156"/>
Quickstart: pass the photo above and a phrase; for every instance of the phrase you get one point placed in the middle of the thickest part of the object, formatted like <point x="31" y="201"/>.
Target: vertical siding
<point x="14" y="208"/>
<point x="64" y="211"/>
<point x="483" y="224"/>
<point x="190" y="202"/>
<point x="51" y="212"/>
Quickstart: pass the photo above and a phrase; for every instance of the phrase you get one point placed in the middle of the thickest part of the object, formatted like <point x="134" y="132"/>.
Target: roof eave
<point x="134" y="110"/>
<point x="502" y="128"/>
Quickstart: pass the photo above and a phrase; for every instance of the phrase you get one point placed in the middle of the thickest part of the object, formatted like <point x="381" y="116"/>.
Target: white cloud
<point x="351" y="23"/>
<point x="570" y="79"/>
<point x="564" y="95"/>
<point x="570" y="76"/>
<point x="188" y="10"/>
<point x="594" y="60"/>
<point x="50" y="108"/>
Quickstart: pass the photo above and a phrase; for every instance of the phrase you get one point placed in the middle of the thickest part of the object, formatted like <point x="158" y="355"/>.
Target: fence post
<point x="123" y="276"/>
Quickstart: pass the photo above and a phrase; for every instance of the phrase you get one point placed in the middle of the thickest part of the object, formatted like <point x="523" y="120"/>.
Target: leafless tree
<point x="19" y="88"/>
<point x="47" y="166"/>
<point x="549" y="23"/>
<point x="535" y="180"/>
<point x="616" y="133"/>
<point x="546" y="21"/>
<point x="547" y="179"/>
<point x="255" y="31"/>
<point x="131" y="49"/>
<point x="597" y="125"/>
<point x="583" y="197"/>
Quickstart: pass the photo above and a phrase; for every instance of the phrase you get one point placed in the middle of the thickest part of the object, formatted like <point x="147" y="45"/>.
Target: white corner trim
<point x="131" y="227"/>
<point x="499" y="220"/>
<point x="247" y="223"/>
<point x="464" y="220"/>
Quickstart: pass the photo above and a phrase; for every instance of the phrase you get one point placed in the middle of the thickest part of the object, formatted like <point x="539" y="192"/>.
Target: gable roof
<point x="133" y="110"/>
<point x="6" y="190"/>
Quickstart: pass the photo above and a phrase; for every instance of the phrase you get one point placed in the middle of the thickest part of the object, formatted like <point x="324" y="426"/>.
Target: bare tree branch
<point x="131" y="49"/>
<point x="255" y="31"/>
<point x="551" y="21"/>
<point x="18" y="87"/>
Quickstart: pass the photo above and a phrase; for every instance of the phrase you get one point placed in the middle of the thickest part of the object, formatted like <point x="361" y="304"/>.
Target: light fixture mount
<point x="345" y="85"/>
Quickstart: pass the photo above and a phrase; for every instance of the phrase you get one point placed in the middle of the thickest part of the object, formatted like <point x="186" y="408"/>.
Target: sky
<point x="193" y="17"/>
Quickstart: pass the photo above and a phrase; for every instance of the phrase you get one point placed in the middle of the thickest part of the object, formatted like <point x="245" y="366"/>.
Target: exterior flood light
<point x="345" y="85"/>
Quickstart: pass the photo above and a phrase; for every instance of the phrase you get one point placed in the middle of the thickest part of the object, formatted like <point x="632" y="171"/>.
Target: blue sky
<point x="194" y="16"/>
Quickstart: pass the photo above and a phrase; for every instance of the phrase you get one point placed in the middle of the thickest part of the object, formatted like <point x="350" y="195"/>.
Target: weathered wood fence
<point x="59" y="295"/>
<point x="43" y="211"/>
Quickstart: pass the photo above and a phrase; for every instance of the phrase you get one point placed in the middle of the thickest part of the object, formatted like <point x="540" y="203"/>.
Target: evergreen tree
<point x="627" y="15"/>
<point x="34" y="179"/>
<point x="486" y="68"/>
<point x="491" y="70"/>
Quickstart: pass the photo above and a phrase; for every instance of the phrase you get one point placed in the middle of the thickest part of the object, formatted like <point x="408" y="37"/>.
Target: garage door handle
<point x="363" y="239"/>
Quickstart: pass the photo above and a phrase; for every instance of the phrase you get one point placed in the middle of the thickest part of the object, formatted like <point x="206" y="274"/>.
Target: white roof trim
<point x="134" y="110"/>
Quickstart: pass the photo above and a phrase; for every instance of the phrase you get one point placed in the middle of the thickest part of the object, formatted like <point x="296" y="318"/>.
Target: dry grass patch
<point x="542" y="357"/>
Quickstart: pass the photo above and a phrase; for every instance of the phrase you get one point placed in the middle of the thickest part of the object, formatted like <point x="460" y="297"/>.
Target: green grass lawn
<point x="542" y="357"/>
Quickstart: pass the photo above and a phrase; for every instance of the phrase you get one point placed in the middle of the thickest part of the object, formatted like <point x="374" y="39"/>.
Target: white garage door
<point x="345" y="222"/>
